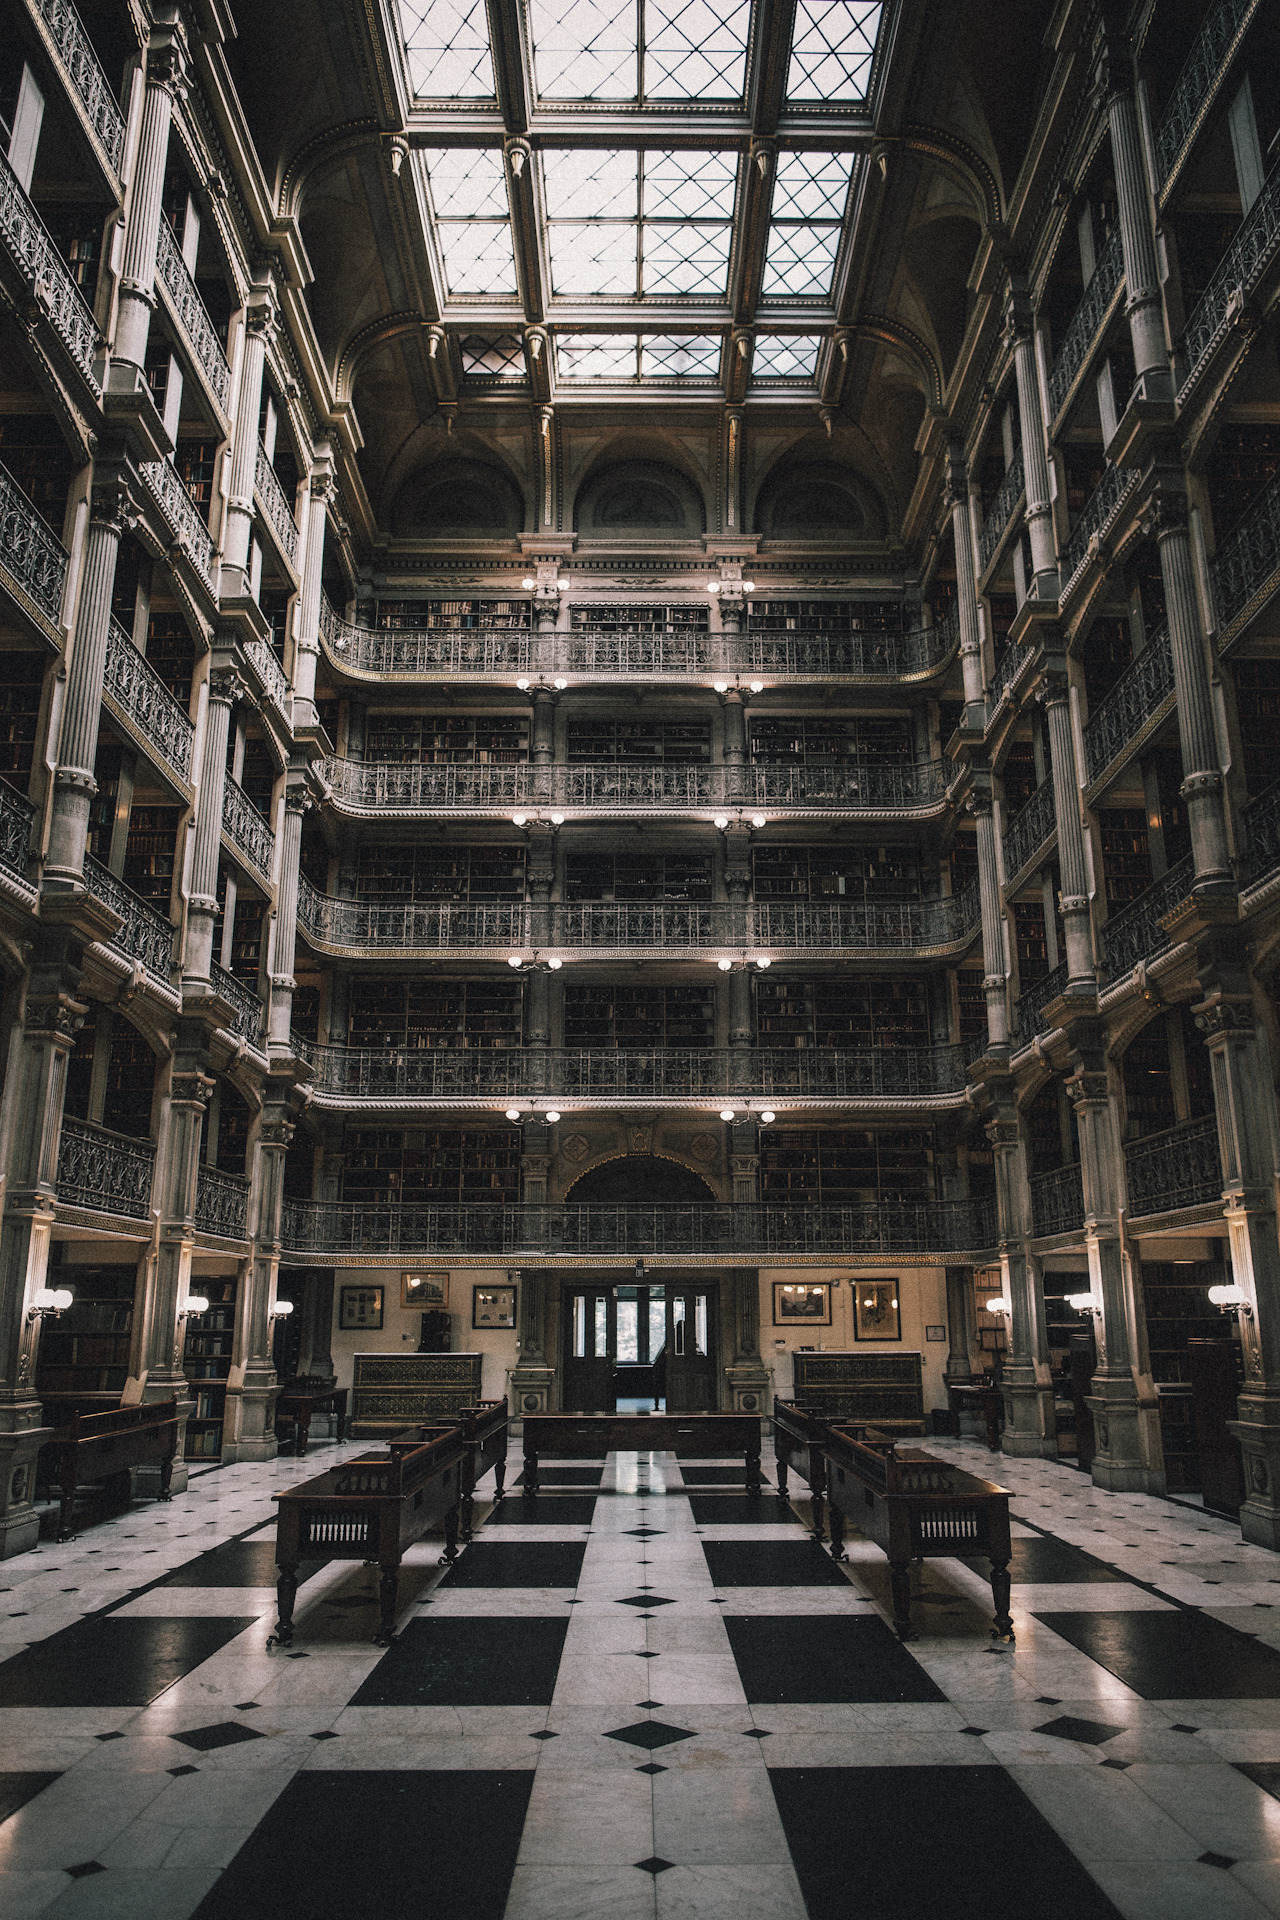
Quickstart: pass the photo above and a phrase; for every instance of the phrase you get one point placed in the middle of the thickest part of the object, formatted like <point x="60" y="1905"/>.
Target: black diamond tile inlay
<point x="646" y="1600"/>
<point x="178" y="1772"/>
<point x="108" y="1736"/>
<point x="651" y="1766"/>
<point x="247" y="1706"/>
<point x="85" y="1866"/>
<point x="1048" y="1700"/>
<point x="328" y="1734"/>
<point x="647" y="1704"/>
<point x="1067" y="1727"/>
<point x="643" y="1533"/>
<point x="546" y="1734"/>
<point x="1223" y="1860"/>
<point x="757" y="1733"/>
<point x="655" y="1866"/>
<point x="1180" y="1726"/>
<point x="976" y="1731"/>
<point x="225" y="1734"/>
<point x="650" y="1734"/>
<point x="1119" y="1766"/>
<point x="647" y="1656"/>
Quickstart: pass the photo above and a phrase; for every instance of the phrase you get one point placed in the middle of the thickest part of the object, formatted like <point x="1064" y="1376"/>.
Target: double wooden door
<point x="639" y="1343"/>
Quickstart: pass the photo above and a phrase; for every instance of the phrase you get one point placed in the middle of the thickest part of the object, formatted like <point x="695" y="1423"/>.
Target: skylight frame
<point x="665" y="223"/>
<point x="466" y="192"/>
<point x="808" y="221"/>
<point x="626" y="356"/>
<point x="773" y="347"/>
<point x="618" y="70"/>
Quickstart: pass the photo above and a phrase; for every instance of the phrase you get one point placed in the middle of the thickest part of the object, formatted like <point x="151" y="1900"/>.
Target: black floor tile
<point x="468" y="1663"/>
<point x="1263" y="1773"/>
<point x="913" y="1825"/>
<point x="771" y="1563"/>
<point x="547" y="1510"/>
<point x="714" y="1476"/>
<point x="17" y="1788"/>
<point x="530" y="1563"/>
<point x="458" y="1835"/>
<point x="565" y="1476"/>
<point x="112" y="1662"/>
<point x="796" y="1659"/>
<point x="740" y="1509"/>
<point x="239" y="1563"/>
<point x="1048" y="1562"/>
<point x="1174" y="1655"/>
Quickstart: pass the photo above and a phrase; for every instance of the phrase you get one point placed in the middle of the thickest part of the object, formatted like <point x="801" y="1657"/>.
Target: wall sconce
<point x="281" y="1310"/>
<point x="1000" y="1303"/>
<point x="50" y="1302"/>
<point x="1082" y="1302"/>
<point x="1231" y="1300"/>
<point x="196" y="1305"/>
<point x="513" y="1113"/>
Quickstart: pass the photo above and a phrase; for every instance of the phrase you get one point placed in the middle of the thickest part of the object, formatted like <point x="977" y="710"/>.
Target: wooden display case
<point x="391" y="1391"/>
<point x="884" y="1389"/>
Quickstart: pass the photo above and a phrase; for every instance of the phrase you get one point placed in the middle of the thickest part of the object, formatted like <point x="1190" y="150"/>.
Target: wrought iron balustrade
<point x="30" y="552"/>
<point x="1135" y="698"/>
<point x="1238" y="273"/>
<point x="1029" y="1008"/>
<point x="1083" y="327"/>
<point x="46" y="276"/>
<point x="153" y="715"/>
<point x="1001" y="510"/>
<point x="1008" y="667"/>
<point x="104" y="1172"/>
<point x="1057" y="1201"/>
<point x="1029" y="829"/>
<point x="1178" y="1168"/>
<point x="222" y="1203"/>
<point x="1096" y="517"/>
<point x="276" y="506"/>
<point x="246" y="1008"/>
<point x="145" y="935"/>
<point x="864" y="656"/>
<point x="16" y="814"/>
<point x="1245" y="570"/>
<point x="378" y="784"/>
<point x="1262" y="834"/>
<point x="193" y="316"/>
<point x="1135" y="932"/>
<point x="75" y="50"/>
<point x="271" y="674"/>
<point x="172" y="496"/>
<point x="1197" y="84"/>
<point x="246" y="829"/>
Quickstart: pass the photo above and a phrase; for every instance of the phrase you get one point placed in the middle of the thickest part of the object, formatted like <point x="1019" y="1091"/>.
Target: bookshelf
<point x="1019" y="776"/>
<point x="424" y="1013"/>
<point x="835" y="872"/>
<point x="839" y="617"/>
<point x="149" y="854"/>
<point x="1106" y="653"/>
<point x="639" y="742"/>
<point x="195" y="461"/>
<point x="840" y="1013"/>
<point x="440" y="873"/>
<point x="640" y="621"/>
<point x="1175" y="1295"/>
<point x="637" y="876"/>
<point x="447" y="740"/>
<point x="1258" y="708"/>
<point x="973" y="1008"/>
<point x="1126" y="854"/>
<point x="808" y="741"/>
<point x="845" y="1166"/>
<point x="632" y="1017"/>
<point x="246" y="936"/>
<point x="20" y="696"/>
<point x="1148" y="1082"/>
<point x="1032" y="941"/>
<point x="491" y="616"/>
<point x="84" y="1355"/>
<point x="448" y="1166"/>
<point x="206" y="1361"/>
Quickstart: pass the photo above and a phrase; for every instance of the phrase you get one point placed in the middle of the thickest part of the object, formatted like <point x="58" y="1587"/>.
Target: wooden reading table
<point x="916" y="1507"/>
<point x="299" y="1399"/>
<point x="370" y="1508"/>
<point x="484" y="1428"/>
<point x="800" y="1437"/>
<point x="588" y="1436"/>
<point x="986" y="1400"/>
<point x="101" y="1446"/>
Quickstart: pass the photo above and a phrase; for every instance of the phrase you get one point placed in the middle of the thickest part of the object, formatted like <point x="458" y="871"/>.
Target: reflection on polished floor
<point x="643" y="1695"/>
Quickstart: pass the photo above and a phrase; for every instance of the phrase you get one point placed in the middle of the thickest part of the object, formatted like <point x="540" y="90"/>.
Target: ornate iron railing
<point x="1197" y="84"/>
<point x="310" y="1228"/>
<point x="1245" y="570"/>
<point x="1057" y="1202"/>
<point x="1262" y="834"/>
<point x="246" y="1008"/>
<point x="271" y="496"/>
<point x="246" y="829"/>
<point x="16" y="813"/>
<point x="171" y="495"/>
<point x="193" y="316"/>
<point x="90" y="82"/>
<point x="1096" y="517"/>
<point x="1029" y="1008"/>
<point x="135" y="687"/>
<point x="1238" y="273"/>
<point x="1001" y="510"/>
<point x="222" y="1203"/>
<point x="1135" y="932"/>
<point x="1135" y="698"/>
<point x="30" y="552"/>
<point x="145" y="935"/>
<point x="1179" y="1168"/>
<point x="1085" y="323"/>
<point x="34" y="253"/>
<point x="1008" y="667"/>
<point x="1030" y="827"/>
<point x="271" y="674"/>
<point x="104" y="1172"/>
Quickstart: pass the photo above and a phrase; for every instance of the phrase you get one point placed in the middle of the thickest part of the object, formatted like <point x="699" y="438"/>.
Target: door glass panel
<point x="628" y="1330"/>
<point x="678" y="1323"/>
<point x="602" y="1327"/>
<point x="700" y="1323"/>
<point x="657" y="1322"/>
<point x="579" y="1327"/>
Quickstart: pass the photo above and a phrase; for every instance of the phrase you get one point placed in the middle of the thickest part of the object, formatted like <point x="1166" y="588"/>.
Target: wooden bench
<point x="484" y="1428"/>
<point x="370" y="1509"/>
<point x="299" y="1399"/>
<point x="103" y="1446"/>
<point x="799" y="1441"/>
<point x="589" y="1436"/>
<point x="916" y="1507"/>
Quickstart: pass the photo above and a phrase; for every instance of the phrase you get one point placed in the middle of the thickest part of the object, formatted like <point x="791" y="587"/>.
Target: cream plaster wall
<point x="401" y="1327"/>
<point x="922" y="1296"/>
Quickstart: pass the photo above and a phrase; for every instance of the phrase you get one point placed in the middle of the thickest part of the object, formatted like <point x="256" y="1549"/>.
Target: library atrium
<point x="639" y="959"/>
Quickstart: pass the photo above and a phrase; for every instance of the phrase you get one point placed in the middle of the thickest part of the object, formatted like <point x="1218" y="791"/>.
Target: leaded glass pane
<point x="447" y="42"/>
<point x="665" y="356"/>
<point x="467" y="183"/>
<point x="592" y="259"/>
<point x="584" y="49"/>
<point x="590" y="186"/>
<point x="811" y="186"/>
<point x="596" y="356"/>
<point x="689" y="186"/>
<point x="832" y="49"/>
<point x="688" y="258"/>
<point x="694" y="50"/>
<point x="786" y="358"/>
<point x="501" y="358"/>
<point x="478" y="256"/>
<point x="800" y="260"/>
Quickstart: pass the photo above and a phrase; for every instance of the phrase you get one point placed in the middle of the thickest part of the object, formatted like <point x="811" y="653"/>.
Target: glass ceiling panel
<point x="596" y="356"/>
<point x="500" y="358"/>
<point x="593" y="50"/>
<point x="794" y="357"/>
<point x="469" y="198"/>
<point x="447" y="42"/>
<point x="667" y="356"/>
<point x="809" y="198"/>
<point x="593" y="186"/>
<point x="832" y="49"/>
<point x="599" y="259"/>
<point x="811" y="186"/>
<point x="695" y="51"/>
<point x="635" y="224"/>
<point x="584" y="49"/>
<point x="686" y="259"/>
<point x="645" y="356"/>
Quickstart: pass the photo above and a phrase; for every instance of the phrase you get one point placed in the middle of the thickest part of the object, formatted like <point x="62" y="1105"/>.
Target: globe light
<point x="720" y="686"/>
<point x="282" y="1310"/>
<point x="763" y="962"/>
<point x="757" y="686"/>
<point x="1228" y="1296"/>
<point x="519" y="819"/>
<point x="559" y="685"/>
<point x="552" y="1116"/>
<point x="1083" y="1302"/>
<point x="557" y="819"/>
<point x="523" y="685"/>
<point x="513" y="1113"/>
<point x="768" y="1117"/>
<point x="725" y="966"/>
<point x="727" y="1113"/>
<point x="758" y="820"/>
<point x="528" y="584"/>
<point x="514" y="960"/>
<point x="197" y="1303"/>
<point x="1000" y="1304"/>
<point x="555" y="965"/>
<point x="721" y="821"/>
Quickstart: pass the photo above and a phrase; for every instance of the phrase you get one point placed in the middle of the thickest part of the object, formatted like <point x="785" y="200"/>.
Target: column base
<point x="248" y="1429"/>
<point x="1258" y="1432"/>
<point x="532" y="1387"/>
<point x="1030" y="1422"/>
<point x="19" y="1521"/>
<point x="748" y="1385"/>
<point x="1130" y="1457"/>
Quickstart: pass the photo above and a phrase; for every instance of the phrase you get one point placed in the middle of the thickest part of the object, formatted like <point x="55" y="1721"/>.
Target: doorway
<point x="639" y="1348"/>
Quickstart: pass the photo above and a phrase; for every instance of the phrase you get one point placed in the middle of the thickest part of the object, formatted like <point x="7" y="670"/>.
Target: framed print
<point x="876" y="1313"/>
<point x="360" y="1309"/>
<point x="493" y="1306"/>
<point x="424" y="1289"/>
<point x="801" y="1303"/>
<point x="935" y="1333"/>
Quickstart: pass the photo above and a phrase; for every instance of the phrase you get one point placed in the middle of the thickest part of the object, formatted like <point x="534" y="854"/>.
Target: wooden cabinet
<point x="391" y="1391"/>
<point x="885" y="1389"/>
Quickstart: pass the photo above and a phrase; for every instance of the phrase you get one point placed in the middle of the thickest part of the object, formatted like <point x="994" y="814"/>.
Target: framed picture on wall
<point x="493" y="1306"/>
<point x="806" y="1303"/>
<point x="360" y="1309"/>
<point x="935" y="1333"/>
<point x="876" y="1313"/>
<point x="424" y="1289"/>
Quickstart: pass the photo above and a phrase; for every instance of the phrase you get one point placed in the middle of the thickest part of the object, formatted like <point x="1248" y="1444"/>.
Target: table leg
<point x="530" y="1484"/>
<point x="303" y="1432"/>
<point x="1000" y="1582"/>
<point x="900" y="1581"/>
<point x="342" y="1420"/>
<point x="286" y="1593"/>
<point x="388" y="1588"/>
<point x="66" y="1530"/>
<point x="837" y="1533"/>
<point x="166" y="1477"/>
<point x="817" y="1504"/>
<point x="499" y="1477"/>
<point x="754" y="1478"/>
<point x="450" y="1553"/>
<point x="468" y="1507"/>
<point x="993" y="1424"/>
<point x="782" y="1474"/>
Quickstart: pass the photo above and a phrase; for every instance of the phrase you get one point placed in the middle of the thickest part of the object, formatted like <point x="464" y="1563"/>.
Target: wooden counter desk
<point x="103" y="1446"/>
<point x="589" y="1436"/>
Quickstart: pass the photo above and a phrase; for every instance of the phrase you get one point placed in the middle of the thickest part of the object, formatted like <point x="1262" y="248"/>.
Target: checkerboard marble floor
<point x="643" y="1695"/>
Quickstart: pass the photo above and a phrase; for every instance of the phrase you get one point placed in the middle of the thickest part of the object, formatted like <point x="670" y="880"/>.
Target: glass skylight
<point x="809" y="195"/>
<point x="493" y="359"/>
<point x="473" y="218"/>
<point x="644" y="356"/>
<point x="790" y="357"/>
<point x="639" y="223"/>
<point x="832" y="49"/>
<point x="447" y="42"/>
<point x="594" y="49"/>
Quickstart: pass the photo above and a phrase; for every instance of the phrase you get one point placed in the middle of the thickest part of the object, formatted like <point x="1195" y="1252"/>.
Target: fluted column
<point x="260" y="319"/>
<point x="959" y="1366"/>
<point x="166" y="56"/>
<point x="546" y="468"/>
<point x="1055" y="695"/>
<point x="1035" y="465"/>
<point x="297" y="801"/>
<point x="74" y="784"/>
<point x="225" y="688"/>
<point x="249" y="1427"/>
<point x="306" y="651"/>
<point x="994" y="982"/>
<point x="1142" y="279"/>
<point x="1030" y="1424"/>
<point x="733" y="470"/>
<point x="1202" y="785"/>
<point x="966" y="591"/>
